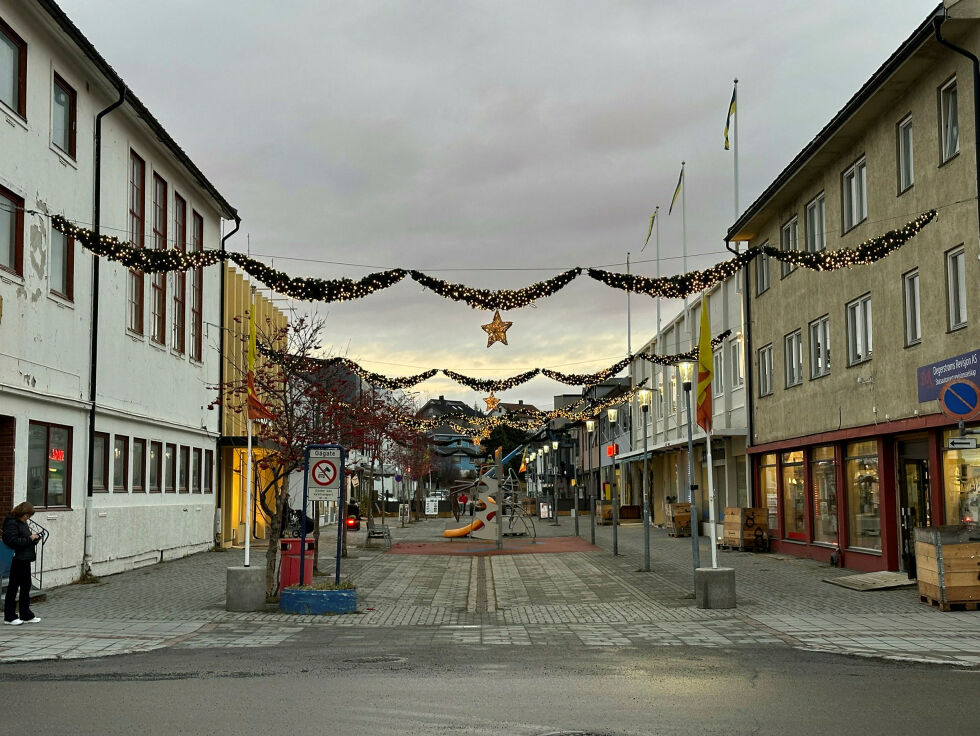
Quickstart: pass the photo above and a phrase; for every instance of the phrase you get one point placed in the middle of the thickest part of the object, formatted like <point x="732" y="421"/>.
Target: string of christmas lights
<point x="689" y="356"/>
<point x="501" y="299"/>
<point x="344" y="289"/>
<point x="491" y="384"/>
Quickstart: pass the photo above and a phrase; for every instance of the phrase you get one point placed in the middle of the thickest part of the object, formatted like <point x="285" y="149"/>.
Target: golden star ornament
<point x="492" y="402"/>
<point x="497" y="330"/>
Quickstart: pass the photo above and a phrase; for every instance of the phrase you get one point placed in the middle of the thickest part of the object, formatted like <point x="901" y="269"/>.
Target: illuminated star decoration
<point x="492" y="402"/>
<point x="497" y="330"/>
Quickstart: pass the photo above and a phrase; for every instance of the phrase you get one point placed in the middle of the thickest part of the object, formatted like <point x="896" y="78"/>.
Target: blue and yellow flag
<point x="677" y="191"/>
<point x="706" y="368"/>
<point x="731" y="111"/>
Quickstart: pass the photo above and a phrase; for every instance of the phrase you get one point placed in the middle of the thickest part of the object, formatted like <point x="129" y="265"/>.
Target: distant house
<point x="518" y="410"/>
<point x="453" y="451"/>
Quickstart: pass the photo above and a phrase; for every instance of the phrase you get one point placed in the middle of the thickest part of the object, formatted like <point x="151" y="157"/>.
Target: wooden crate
<point x="746" y="527"/>
<point x="678" y="519"/>
<point x="947" y="561"/>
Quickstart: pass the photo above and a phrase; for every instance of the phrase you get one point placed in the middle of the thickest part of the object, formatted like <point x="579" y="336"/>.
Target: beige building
<point x="848" y="440"/>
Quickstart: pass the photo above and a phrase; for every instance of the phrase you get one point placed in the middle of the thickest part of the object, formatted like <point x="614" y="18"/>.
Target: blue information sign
<point x="932" y="377"/>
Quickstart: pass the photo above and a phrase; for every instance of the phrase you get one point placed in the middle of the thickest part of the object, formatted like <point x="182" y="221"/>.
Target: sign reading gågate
<point x="323" y="473"/>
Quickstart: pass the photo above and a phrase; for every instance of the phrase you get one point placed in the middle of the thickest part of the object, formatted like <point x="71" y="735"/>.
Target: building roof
<point x="744" y="228"/>
<point x="442" y="406"/>
<point x="76" y="36"/>
<point x="519" y="408"/>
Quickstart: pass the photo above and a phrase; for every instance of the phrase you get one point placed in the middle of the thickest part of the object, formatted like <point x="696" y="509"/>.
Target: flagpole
<point x="735" y="151"/>
<point x="687" y="317"/>
<point x="711" y="495"/>
<point x="248" y="492"/>
<point x="629" y="331"/>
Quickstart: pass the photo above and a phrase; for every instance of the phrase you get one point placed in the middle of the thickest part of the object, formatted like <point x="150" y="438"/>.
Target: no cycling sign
<point x="324" y="470"/>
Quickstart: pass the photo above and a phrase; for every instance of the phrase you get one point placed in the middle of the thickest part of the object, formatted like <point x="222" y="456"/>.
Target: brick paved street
<point x="571" y="599"/>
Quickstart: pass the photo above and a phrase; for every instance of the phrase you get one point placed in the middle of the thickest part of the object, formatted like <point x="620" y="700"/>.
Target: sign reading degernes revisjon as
<point x="932" y="377"/>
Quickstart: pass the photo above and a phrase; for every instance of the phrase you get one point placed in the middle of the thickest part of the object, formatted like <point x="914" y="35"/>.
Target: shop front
<point x="855" y="500"/>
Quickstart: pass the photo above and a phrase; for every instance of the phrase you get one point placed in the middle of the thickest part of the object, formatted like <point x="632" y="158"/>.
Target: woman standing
<point x="17" y="535"/>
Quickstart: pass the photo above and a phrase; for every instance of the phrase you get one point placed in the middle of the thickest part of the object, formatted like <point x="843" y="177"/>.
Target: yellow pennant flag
<point x="677" y="191"/>
<point x="650" y="229"/>
<point x="706" y="368"/>
<point x="731" y="111"/>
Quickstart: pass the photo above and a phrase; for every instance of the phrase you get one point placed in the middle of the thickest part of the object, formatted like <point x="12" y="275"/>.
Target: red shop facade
<point x="856" y="495"/>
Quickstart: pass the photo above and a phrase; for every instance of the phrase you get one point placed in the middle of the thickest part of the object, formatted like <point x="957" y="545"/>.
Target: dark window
<point x="158" y="281"/>
<point x="63" y="116"/>
<point x="170" y="469"/>
<point x="120" y="464"/>
<point x="156" y="466"/>
<point x="197" y="295"/>
<point x="137" y="182"/>
<point x="100" y="463"/>
<point x="13" y="70"/>
<point x="184" y="470"/>
<point x="62" y="275"/>
<point x="180" y="277"/>
<point x="139" y="466"/>
<point x="208" y="470"/>
<point x="49" y="465"/>
<point x="11" y="232"/>
<point x="196" y="470"/>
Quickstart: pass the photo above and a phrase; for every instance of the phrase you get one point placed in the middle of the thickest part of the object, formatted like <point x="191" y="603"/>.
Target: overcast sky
<point x="492" y="143"/>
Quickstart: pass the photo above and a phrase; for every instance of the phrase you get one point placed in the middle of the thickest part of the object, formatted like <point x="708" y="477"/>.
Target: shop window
<point x="768" y="490"/>
<point x="863" y="510"/>
<point x="794" y="496"/>
<point x="48" y="465"/>
<point x="961" y="476"/>
<point x="823" y="478"/>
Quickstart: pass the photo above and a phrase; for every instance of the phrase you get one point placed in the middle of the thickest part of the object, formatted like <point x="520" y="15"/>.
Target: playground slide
<point x="463" y="531"/>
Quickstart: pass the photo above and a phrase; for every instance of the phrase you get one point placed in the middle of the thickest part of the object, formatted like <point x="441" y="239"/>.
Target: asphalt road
<point x="306" y="688"/>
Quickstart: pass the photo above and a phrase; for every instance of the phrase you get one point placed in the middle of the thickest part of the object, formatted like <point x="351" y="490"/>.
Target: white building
<point x="95" y="359"/>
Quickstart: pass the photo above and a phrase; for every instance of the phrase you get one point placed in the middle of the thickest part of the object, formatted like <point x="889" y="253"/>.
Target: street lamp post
<point x="644" y="396"/>
<point x="544" y="468"/>
<point x="612" y="414"/>
<point x="687" y="373"/>
<point x="573" y="461"/>
<point x="589" y="429"/>
<point x="555" y="468"/>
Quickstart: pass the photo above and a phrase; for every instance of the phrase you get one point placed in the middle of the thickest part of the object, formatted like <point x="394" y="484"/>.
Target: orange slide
<point x="463" y="531"/>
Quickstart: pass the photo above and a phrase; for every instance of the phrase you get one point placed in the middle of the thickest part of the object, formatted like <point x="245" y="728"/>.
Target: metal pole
<point x="711" y="503"/>
<point x="341" y="506"/>
<point x="554" y="485"/>
<point x="248" y="492"/>
<point x="500" y="498"/>
<point x="646" y="495"/>
<point x="695" y="526"/>
<point x="577" y="495"/>
<point x="592" y="485"/>
<point x="302" y="520"/>
<point x="615" y="507"/>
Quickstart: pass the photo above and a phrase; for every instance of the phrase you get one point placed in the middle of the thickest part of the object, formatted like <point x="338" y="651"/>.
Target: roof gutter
<point x="937" y="23"/>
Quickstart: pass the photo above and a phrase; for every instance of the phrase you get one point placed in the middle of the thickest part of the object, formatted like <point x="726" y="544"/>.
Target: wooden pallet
<point x="949" y="605"/>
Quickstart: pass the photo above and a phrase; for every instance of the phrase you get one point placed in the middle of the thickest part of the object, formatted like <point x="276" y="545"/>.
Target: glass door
<point x="915" y="508"/>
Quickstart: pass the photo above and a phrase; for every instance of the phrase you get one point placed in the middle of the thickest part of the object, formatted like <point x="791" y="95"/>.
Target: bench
<point x="378" y="532"/>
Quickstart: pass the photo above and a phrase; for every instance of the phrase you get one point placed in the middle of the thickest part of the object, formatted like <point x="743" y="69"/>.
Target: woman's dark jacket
<point x="17" y="536"/>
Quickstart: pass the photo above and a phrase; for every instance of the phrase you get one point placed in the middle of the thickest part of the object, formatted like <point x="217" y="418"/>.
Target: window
<point x="180" y="277"/>
<point x="718" y="376"/>
<point x="765" y="370"/>
<point x="196" y="470"/>
<point x="956" y="287"/>
<point x="158" y="281"/>
<point x="120" y="464"/>
<point x="863" y="515"/>
<point x="859" y="330"/>
<point x="100" y="463"/>
<point x="11" y="232"/>
<point x="197" y="286"/>
<point x="208" y="470"/>
<point x="788" y="243"/>
<point x="13" y="70"/>
<point x="823" y="478"/>
<point x="854" y="193"/>
<point x="62" y="274"/>
<point x="820" y="347"/>
<point x="170" y="469"/>
<point x="184" y="470"/>
<point x="794" y="495"/>
<point x="816" y="225"/>
<point x="794" y="358"/>
<point x="139" y="466"/>
<point x="48" y="465"/>
<point x="738" y="377"/>
<point x="63" y="116"/>
<point x="658" y="397"/>
<point x="961" y="476"/>
<point x="768" y="490"/>
<point x="906" y="174"/>
<point x="948" y="115"/>
<point x="913" y="313"/>
<point x="672" y="394"/>
<point x="762" y="272"/>
<point x="156" y="466"/>
<point x="137" y="171"/>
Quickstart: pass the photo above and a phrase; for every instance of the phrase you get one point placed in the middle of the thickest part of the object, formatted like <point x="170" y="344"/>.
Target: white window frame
<point x="718" y="376"/>
<point x="859" y="330"/>
<point x="793" y="358"/>
<point x="816" y="224"/>
<point x="738" y="378"/>
<point x="854" y="194"/>
<point x="906" y="164"/>
<point x="911" y="298"/>
<point x="765" y="370"/>
<point x="789" y="240"/>
<point x="820" y="347"/>
<point x="949" y="134"/>
<point x="762" y="272"/>
<point x="956" y="299"/>
<point x="672" y="394"/>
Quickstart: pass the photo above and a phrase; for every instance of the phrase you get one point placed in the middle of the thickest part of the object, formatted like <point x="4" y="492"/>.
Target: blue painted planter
<point x="307" y="602"/>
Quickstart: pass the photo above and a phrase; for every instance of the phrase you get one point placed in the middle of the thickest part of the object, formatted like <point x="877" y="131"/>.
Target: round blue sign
<point x="959" y="399"/>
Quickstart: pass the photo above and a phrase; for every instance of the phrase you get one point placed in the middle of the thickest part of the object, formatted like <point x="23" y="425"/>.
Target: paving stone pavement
<point x="569" y="599"/>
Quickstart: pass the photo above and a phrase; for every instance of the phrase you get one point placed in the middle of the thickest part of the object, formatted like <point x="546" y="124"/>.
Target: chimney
<point x="520" y="401"/>
<point x="442" y="398"/>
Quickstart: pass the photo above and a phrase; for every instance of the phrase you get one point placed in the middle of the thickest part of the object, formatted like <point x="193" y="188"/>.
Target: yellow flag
<point x="706" y="368"/>
<point x="731" y="111"/>
<point x="650" y="229"/>
<point x="677" y="191"/>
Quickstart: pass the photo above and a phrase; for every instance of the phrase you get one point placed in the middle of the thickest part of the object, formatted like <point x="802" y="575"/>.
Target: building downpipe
<point x="219" y="473"/>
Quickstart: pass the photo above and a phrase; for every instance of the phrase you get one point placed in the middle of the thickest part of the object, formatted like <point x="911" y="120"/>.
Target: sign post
<point x="323" y="481"/>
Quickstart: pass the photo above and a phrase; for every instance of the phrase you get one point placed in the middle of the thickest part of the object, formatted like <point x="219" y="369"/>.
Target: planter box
<point x="314" y="602"/>
<point x="947" y="560"/>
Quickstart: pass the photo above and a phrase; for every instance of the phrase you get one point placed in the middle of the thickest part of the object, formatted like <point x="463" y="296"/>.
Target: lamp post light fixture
<point x="644" y="397"/>
<point x="555" y="467"/>
<point x="589" y="429"/>
<point x="687" y="374"/>
<point x="612" y="412"/>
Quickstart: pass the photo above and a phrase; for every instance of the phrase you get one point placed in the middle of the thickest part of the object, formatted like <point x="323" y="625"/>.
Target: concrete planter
<point x="314" y="602"/>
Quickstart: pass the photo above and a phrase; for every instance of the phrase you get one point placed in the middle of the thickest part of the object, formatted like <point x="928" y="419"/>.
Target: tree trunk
<point x="272" y="553"/>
